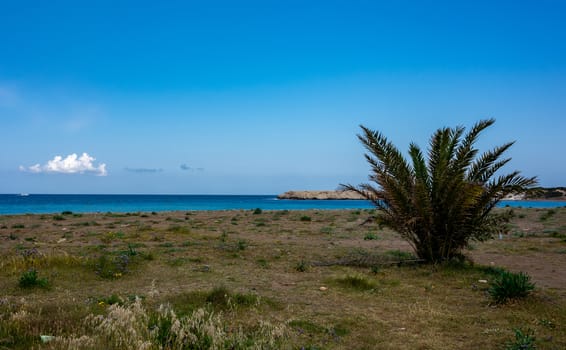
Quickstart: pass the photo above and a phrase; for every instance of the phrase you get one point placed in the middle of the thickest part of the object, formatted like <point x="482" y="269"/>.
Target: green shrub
<point x="305" y="218"/>
<point x="179" y="229"/>
<point x="509" y="285"/>
<point x="400" y="255"/>
<point x="257" y="211"/>
<point x="30" y="279"/>
<point x="547" y="214"/>
<point x="264" y="264"/>
<point x="370" y="236"/>
<point x="111" y="300"/>
<point x="523" y="341"/>
<point x="306" y="326"/>
<point x="302" y="266"/>
<point x="221" y="298"/>
<point x="357" y="282"/>
<point x="112" y="267"/>
<point x="242" y="244"/>
<point x="327" y="230"/>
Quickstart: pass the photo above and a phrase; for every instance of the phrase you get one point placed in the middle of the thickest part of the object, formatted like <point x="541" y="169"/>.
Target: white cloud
<point x="72" y="164"/>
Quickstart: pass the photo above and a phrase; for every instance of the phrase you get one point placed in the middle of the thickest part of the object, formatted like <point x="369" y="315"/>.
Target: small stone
<point x="46" y="338"/>
<point x="323" y="288"/>
<point x="482" y="281"/>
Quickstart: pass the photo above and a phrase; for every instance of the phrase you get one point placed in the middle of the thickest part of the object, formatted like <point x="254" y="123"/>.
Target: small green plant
<point x="306" y="326"/>
<point x="111" y="300"/>
<point x="370" y="236"/>
<point x="547" y="214"/>
<point x="523" y="341"/>
<point x="112" y="267"/>
<point x="327" y="230"/>
<point x="30" y="279"/>
<point x="302" y="266"/>
<point x="58" y="217"/>
<point x="547" y="323"/>
<point x="257" y="211"/>
<point x="509" y="285"/>
<point x="221" y="298"/>
<point x="400" y="255"/>
<point x="242" y="244"/>
<point x="263" y="263"/>
<point x="132" y="250"/>
<point x="18" y="226"/>
<point x="110" y="236"/>
<point x="179" y="229"/>
<point x="67" y="212"/>
<point x="357" y="282"/>
<point x="305" y="218"/>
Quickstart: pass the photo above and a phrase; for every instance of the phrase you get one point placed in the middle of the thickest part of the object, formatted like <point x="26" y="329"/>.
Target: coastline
<point x="57" y="204"/>
<point x="543" y="196"/>
<point x="321" y="195"/>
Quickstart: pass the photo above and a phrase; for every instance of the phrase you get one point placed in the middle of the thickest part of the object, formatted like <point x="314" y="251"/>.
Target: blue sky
<point x="260" y="97"/>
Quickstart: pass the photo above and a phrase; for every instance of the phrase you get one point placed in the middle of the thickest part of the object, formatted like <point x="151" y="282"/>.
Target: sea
<point x="91" y="203"/>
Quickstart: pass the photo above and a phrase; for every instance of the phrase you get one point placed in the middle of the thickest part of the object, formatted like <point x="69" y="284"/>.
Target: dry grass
<point x="367" y="300"/>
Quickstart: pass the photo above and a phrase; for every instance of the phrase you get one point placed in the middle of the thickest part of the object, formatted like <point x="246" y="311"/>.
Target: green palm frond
<point x="440" y="203"/>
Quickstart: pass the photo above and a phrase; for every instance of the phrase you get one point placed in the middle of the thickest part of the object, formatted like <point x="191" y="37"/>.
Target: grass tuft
<point x="356" y="282"/>
<point x="509" y="285"/>
<point x="30" y="279"/>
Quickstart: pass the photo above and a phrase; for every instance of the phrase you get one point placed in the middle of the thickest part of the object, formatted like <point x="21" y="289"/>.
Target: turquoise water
<point x="43" y="203"/>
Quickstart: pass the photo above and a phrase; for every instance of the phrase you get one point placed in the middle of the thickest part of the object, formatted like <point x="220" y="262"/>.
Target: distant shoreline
<point x="555" y="194"/>
<point x="321" y="195"/>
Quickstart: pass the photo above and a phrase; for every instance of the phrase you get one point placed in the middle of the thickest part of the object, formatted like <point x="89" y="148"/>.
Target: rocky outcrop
<point x="320" y="195"/>
<point x="540" y="194"/>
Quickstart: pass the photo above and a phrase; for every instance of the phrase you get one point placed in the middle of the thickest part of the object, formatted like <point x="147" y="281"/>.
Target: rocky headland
<point x="555" y="193"/>
<point x="320" y="195"/>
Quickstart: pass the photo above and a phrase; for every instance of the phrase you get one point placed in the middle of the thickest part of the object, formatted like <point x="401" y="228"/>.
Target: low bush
<point x="356" y="282"/>
<point x="111" y="267"/>
<point x="302" y="266"/>
<point x="547" y="215"/>
<point x="370" y="236"/>
<point x="523" y="341"/>
<point x="30" y="279"/>
<point x="509" y="285"/>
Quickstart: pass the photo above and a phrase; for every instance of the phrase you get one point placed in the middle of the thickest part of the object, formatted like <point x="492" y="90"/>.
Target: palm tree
<point x="438" y="205"/>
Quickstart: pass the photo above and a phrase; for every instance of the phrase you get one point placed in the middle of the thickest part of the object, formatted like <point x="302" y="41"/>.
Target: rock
<point x="320" y="195"/>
